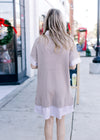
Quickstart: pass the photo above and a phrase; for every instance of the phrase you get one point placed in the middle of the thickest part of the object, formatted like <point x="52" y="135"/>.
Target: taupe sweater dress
<point x="53" y="93"/>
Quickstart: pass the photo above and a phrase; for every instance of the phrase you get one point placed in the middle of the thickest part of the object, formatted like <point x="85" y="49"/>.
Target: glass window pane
<point x="19" y="41"/>
<point x="5" y="0"/>
<point x="19" y="50"/>
<point x="22" y="16"/>
<point x="17" y="1"/>
<point x="22" y="2"/>
<point x="20" y="37"/>
<point x="7" y="61"/>
<point x="17" y="16"/>
<point x="6" y="11"/>
<point x="23" y="47"/>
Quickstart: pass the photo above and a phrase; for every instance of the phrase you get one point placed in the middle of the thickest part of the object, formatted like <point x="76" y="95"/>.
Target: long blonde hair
<point x="54" y="23"/>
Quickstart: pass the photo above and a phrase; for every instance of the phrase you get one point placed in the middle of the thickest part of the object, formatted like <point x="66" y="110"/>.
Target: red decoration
<point x="2" y="22"/>
<point x="82" y="29"/>
<point x="69" y="26"/>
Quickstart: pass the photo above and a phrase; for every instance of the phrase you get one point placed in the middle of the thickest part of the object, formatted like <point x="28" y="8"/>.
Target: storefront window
<point x="23" y="34"/>
<point x="7" y="61"/>
<point x="19" y="42"/>
<point x="22" y="2"/>
<point x="17" y="1"/>
<point x="20" y="25"/>
<point x="6" y="0"/>
<point x="12" y="55"/>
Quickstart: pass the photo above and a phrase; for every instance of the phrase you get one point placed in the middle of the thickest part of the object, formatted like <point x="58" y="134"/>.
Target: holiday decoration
<point x="6" y="39"/>
<point x="68" y="28"/>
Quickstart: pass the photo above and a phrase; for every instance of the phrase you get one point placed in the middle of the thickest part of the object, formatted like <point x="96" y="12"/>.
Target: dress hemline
<point x="46" y="112"/>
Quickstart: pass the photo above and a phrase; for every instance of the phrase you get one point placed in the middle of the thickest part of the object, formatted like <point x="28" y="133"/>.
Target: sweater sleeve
<point x="74" y="57"/>
<point x="34" y="54"/>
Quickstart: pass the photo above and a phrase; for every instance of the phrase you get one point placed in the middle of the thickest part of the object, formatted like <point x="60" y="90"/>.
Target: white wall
<point x="45" y="5"/>
<point x="32" y="29"/>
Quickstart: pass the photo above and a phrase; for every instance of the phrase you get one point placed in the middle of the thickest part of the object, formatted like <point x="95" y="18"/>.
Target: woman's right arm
<point x="74" y="57"/>
<point x="72" y="67"/>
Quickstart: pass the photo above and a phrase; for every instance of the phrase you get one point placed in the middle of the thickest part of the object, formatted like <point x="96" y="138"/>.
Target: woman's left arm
<point x="34" y="56"/>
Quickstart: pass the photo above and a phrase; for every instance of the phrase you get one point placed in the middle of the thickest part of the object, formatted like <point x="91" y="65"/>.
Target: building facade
<point x="27" y="17"/>
<point x="71" y="19"/>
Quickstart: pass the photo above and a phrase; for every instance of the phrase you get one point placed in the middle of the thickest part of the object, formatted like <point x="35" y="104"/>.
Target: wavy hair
<point x="54" y="23"/>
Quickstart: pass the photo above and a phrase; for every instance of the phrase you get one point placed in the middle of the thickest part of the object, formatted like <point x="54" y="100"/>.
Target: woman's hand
<point x="73" y="67"/>
<point x="34" y="67"/>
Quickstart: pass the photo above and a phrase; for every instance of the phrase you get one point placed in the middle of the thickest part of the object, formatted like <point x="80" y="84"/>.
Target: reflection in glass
<point x="22" y="2"/>
<point x="23" y="47"/>
<point x="17" y="1"/>
<point x="17" y="16"/>
<point x="6" y="0"/>
<point x="7" y="61"/>
<point x="20" y="37"/>
<point x="6" y="12"/>
<point x="7" y="52"/>
<point x="41" y="23"/>
<point x="23" y="36"/>
<point x="22" y="16"/>
<point x="19" y="41"/>
<point x="19" y="50"/>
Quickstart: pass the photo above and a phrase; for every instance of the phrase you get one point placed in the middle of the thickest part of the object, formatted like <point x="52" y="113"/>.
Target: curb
<point x="15" y="92"/>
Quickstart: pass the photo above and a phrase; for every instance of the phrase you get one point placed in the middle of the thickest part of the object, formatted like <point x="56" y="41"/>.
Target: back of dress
<point x="53" y="95"/>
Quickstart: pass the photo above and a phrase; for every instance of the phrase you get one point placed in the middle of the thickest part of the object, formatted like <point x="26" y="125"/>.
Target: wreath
<point x="10" y="29"/>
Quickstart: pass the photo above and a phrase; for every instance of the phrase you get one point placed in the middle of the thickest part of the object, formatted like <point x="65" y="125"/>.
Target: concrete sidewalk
<point x="19" y="122"/>
<point x="87" y="113"/>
